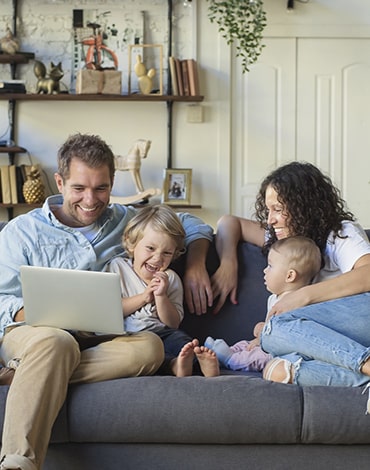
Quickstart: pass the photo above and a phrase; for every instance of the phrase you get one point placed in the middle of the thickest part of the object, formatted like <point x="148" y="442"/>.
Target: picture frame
<point x="177" y="186"/>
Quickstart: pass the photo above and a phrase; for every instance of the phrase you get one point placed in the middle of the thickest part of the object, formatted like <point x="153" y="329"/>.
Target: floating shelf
<point x="74" y="97"/>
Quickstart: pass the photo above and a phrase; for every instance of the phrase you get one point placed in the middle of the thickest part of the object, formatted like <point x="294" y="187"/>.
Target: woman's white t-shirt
<point x="341" y="253"/>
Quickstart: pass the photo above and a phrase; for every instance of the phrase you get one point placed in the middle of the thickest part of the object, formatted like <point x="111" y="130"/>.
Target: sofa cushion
<point x="222" y="410"/>
<point x="234" y="322"/>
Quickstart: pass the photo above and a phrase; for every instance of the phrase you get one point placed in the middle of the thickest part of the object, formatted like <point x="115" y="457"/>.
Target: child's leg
<point x="208" y="361"/>
<point x="182" y="365"/>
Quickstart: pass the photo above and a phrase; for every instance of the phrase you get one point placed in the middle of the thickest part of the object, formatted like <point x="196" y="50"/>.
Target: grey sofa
<point x="235" y="421"/>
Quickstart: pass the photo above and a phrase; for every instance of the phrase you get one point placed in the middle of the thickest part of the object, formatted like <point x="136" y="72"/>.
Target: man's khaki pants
<point x="49" y="359"/>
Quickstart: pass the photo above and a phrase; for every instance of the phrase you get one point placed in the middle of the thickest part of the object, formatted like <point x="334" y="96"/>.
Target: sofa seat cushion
<point x="335" y="415"/>
<point x="221" y="410"/>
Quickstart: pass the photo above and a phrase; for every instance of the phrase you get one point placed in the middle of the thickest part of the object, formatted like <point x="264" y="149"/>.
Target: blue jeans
<point x="327" y="342"/>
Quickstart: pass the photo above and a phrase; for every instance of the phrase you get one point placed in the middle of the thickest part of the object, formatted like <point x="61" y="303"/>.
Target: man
<point x="77" y="230"/>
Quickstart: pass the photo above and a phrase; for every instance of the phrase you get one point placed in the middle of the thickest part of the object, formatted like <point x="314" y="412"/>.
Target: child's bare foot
<point x="182" y="365"/>
<point x="208" y="361"/>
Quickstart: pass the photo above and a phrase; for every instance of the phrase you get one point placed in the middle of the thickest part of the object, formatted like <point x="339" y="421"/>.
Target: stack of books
<point x="12" y="178"/>
<point x="12" y="86"/>
<point x="184" y="77"/>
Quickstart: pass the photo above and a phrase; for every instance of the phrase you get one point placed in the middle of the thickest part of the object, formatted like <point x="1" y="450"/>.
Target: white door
<point x="306" y="99"/>
<point x="333" y="115"/>
<point x="263" y="120"/>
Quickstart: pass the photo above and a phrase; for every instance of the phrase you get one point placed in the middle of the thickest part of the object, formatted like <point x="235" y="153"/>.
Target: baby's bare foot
<point x="182" y="365"/>
<point x="208" y="361"/>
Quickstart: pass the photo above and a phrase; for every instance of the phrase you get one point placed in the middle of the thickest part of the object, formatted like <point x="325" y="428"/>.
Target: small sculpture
<point x="33" y="188"/>
<point x="132" y="162"/>
<point x="145" y="78"/>
<point x="9" y="43"/>
<point x="48" y="83"/>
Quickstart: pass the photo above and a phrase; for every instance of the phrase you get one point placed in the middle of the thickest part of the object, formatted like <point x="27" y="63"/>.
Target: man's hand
<point x="224" y="283"/>
<point x="19" y="316"/>
<point x="198" y="292"/>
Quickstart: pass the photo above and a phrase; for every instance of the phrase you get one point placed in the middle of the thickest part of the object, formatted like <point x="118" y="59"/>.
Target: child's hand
<point x="159" y="283"/>
<point x="148" y="294"/>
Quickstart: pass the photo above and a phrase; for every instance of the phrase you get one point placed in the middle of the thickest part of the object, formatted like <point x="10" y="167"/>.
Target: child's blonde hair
<point x="162" y="219"/>
<point x="303" y="255"/>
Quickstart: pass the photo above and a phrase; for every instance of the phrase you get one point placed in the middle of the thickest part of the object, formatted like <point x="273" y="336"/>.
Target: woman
<point x="325" y="337"/>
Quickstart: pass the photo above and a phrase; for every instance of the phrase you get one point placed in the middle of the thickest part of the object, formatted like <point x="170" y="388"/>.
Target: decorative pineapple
<point x="33" y="188"/>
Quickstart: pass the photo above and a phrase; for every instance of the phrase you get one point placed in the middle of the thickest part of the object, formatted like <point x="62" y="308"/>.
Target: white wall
<point x="208" y="148"/>
<point x="43" y="126"/>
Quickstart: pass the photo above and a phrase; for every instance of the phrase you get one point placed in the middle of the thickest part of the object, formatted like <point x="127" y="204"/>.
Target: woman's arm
<point x="230" y="231"/>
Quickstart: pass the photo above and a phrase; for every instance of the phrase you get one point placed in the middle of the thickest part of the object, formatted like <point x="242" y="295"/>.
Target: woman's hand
<point x="289" y="301"/>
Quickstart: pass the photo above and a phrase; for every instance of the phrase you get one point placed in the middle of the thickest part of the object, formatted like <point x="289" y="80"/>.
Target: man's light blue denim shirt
<point x="39" y="239"/>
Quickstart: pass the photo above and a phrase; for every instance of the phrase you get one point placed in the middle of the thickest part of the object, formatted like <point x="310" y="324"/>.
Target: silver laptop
<point x="72" y="299"/>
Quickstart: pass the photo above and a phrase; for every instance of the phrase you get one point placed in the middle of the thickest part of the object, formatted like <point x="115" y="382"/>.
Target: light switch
<point x="194" y="113"/>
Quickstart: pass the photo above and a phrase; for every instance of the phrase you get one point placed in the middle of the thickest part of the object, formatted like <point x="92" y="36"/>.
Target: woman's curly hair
<point x="312" y="203"/>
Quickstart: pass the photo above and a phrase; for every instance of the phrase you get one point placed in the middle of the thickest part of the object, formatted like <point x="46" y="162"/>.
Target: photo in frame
<point x="177" y="186"/>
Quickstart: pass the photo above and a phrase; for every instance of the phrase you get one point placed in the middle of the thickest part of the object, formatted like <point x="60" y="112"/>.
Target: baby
<point x="292" y="263"/>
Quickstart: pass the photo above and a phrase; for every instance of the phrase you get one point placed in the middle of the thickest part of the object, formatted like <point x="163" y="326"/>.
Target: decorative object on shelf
<point x="145" y="78"/>
<point x="132" y="163"/>
<point x="177" y="186"/>
<point x="9" y="43"/>
<point x="105" y="82"/>
<point x="48" y="82"/>
<point x="33" y="187"/>
<point x="241" y="22"/>
<point x="96" y="50"/>
<point x="154" y="54"/>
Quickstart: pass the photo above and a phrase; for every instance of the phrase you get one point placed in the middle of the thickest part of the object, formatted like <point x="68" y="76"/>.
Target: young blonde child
<point x="292" y="263"/>
<point x="152" y="294"/>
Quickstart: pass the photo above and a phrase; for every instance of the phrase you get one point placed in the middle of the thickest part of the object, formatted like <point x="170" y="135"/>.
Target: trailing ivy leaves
<point x="240" y="22"/>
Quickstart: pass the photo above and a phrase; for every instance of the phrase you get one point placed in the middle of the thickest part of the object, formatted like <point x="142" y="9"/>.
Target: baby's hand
<point x="258" y="329"/>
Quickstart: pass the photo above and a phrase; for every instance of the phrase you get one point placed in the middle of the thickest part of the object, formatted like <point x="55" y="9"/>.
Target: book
<point x="12" y="86"/>
<point x="179" y="77"/>
<point x="13" y="184"/>
<point x="173" y="74"/>
<point x="185" y="77"/>
<point x="5" y="184"/>
<point x="193" y="77"/>
<point x="20" y="181"/>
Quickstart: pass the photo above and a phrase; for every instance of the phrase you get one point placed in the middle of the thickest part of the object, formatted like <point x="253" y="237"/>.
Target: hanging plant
<point x="240" y="22"/>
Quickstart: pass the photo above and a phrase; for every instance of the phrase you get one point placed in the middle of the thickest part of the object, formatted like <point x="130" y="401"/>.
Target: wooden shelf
<point x="185" y="206"/>
<point x="74" y="97"/>
<point x="12" y="149"/>
<point x="19" y="58"/>
<point x="22" y="204"/>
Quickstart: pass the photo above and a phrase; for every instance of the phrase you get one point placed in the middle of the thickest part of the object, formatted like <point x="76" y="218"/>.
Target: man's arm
<point x="197" y="285"/>
<point x="230" y="231"/>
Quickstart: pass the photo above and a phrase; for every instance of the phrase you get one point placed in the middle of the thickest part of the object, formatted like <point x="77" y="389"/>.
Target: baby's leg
<point x="220" y="348"/>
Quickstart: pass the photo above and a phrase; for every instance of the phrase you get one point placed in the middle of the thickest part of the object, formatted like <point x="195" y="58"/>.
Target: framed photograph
<point x="177" y="186"/>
